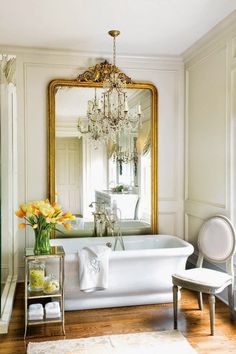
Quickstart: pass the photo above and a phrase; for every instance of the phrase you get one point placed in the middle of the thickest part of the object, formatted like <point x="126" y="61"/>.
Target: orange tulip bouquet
<point x="43" y="217"/>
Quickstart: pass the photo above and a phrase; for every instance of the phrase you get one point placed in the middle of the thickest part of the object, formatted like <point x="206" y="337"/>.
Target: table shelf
<point x="44" y="321"/>
<point x="42" y="295"/>
<point x="58" y="253"/>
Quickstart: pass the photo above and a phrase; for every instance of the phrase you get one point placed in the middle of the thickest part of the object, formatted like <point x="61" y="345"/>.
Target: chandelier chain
<point x="114" y="51"/>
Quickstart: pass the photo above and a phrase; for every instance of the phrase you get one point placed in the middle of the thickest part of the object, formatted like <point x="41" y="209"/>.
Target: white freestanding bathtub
<point x="141" y="274"/>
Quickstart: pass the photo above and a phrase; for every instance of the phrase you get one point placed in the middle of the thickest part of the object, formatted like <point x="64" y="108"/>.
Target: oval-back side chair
<point x="216" y="243"/>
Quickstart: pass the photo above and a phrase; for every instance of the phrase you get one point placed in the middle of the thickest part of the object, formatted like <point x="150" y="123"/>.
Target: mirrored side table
<point x="57" y="253"/>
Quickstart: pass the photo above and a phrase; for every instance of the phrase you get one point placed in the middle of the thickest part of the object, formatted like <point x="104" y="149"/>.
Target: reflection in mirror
<point x="102" y="152"/>
<point x="115" y="174"/>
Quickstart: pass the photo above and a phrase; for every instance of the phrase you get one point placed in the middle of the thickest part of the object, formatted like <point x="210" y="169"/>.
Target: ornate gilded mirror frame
<point x="94" y="77"/>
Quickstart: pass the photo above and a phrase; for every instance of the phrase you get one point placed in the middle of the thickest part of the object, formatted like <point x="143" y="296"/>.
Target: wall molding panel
<point x="234" y="47"/>
<point x="213" y="59"/>
<point x="171" y="219"/>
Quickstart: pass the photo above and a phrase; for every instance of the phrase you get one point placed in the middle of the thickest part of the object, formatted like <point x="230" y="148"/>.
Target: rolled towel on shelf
<point x="35" y="317"/>
<point x="52" y="315"/>
<point x="35" y="312"/>
<point x="52" y="306"/>
<point x="35" y="307"/>
<point x="52" y="309"/>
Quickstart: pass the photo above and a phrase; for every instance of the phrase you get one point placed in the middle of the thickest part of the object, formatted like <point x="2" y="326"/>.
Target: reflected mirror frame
<point x="53" y="86"/>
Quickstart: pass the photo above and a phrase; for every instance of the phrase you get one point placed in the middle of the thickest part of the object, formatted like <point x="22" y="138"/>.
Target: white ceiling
<point x="148" y="27"/>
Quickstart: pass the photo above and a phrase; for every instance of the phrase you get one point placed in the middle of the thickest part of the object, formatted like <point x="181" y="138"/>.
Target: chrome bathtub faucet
<point x="103" y="220"/>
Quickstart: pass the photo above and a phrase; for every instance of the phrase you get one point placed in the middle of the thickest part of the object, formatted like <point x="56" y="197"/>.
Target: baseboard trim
<point x="9" y="292"/>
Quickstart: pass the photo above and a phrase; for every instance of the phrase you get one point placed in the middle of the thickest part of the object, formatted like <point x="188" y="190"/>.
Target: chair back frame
<point x="233" y="248"/>
<point x="229" y="259"/>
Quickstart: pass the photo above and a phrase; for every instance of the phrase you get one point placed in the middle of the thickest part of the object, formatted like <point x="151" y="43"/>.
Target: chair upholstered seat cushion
<point x="203" y="276"/>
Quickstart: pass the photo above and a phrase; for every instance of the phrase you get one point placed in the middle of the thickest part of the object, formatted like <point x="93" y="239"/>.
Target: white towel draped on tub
<point x="94" y="268"/>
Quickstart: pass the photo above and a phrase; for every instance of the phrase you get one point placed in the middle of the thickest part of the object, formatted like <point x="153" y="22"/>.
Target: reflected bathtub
<point x="141" y="274"/>
<point x="82" y="228"/>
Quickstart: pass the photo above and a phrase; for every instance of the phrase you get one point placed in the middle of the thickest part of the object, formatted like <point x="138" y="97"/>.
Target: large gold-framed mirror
<point x="120" y="173"/>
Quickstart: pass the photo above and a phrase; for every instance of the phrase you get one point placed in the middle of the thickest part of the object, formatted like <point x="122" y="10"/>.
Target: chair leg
<point x="175" y="305"/>
<point x="212" y="313"/>
<point x="200" y="302"/>
<point x="231" y="301"/>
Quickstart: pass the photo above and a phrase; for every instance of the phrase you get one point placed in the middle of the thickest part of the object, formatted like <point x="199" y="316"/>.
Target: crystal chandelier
<point x="94" y="129"/>
<point x="115" y="101"/>
<point x="121" y="156"/>
<point x="110" y="114"/>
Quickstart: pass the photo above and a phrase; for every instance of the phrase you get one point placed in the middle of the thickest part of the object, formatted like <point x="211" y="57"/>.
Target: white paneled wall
<point x="210" y="97"/>
<point x="206" y="139"/>
<point x="34" y="71"/>
<point x="210" y="133"/>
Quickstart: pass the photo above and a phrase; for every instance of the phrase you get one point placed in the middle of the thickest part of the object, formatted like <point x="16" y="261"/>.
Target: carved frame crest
<point x="101" y="72"/>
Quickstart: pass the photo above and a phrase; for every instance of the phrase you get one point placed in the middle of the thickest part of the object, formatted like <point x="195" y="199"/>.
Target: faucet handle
<point x="109" y="244"/>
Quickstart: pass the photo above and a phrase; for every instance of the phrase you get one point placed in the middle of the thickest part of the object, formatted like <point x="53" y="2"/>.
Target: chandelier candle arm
<point x="139" y="109"/>
<point x="99" y="104"/>
<point x="126" y="107"/>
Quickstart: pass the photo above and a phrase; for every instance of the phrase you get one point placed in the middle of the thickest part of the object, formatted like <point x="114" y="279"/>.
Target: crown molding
<point x="151" y="62"/>
<point x="218" y="35"/>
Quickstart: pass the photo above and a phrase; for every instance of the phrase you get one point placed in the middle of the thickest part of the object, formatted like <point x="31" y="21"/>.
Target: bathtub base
<point x="139" y="275"/>
<point x="118" y="301"/>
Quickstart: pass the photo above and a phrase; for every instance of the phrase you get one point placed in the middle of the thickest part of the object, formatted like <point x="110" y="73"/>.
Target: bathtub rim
<point x="185" y="247"/>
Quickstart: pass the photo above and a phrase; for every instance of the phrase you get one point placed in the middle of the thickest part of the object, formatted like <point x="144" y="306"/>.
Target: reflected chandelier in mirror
<point x="119" y="172"/>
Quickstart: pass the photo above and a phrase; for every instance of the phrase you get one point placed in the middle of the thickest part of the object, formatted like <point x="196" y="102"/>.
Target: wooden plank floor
<point x="193" y="323"/>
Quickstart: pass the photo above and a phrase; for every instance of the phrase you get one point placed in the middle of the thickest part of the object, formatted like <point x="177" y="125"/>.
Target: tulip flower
<point x="22" y="225"/>
<point x="67" y="226"/>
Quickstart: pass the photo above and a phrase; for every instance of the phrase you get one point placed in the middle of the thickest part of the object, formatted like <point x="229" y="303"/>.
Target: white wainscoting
<point x="34" y="71"/>
<point x="210" y="130"/>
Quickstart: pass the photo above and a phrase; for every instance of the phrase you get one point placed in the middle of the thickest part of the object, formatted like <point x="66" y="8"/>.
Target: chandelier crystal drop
<point x="121" y="156"/>
<point x="110" y="114"/>
<point x="94" y="129"/>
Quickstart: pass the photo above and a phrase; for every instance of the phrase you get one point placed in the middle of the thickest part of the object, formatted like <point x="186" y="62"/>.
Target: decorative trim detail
<point x="205" y="202"/>
<point x="101" y="72"/>
<point x="234" y="48"/>
<point x="218" y="35"/>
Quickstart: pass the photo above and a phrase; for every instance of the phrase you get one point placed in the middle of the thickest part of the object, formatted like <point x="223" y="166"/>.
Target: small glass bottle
<point x="36" y="275"/>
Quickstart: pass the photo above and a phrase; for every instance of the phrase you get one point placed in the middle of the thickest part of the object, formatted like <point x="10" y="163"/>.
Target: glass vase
<point x="36" y="275"/>
<point x="42" y="241"/>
